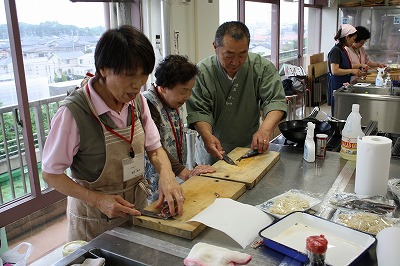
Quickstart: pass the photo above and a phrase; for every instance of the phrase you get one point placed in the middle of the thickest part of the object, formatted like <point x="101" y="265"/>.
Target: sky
<point x="63" y="11"/>
<point x="91" y="14"/>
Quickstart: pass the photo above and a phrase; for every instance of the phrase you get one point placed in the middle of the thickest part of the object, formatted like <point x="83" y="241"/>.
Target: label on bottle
<point x="349" y="146"/>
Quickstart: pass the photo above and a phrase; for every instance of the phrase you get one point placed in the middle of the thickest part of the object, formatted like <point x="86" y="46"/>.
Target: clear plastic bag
<point x="394" y="187"/>
<point x="374" y="204"/>
<point x="367" y="222"/>
<point x="15" y="257"/>
<point x="290" y="201"/>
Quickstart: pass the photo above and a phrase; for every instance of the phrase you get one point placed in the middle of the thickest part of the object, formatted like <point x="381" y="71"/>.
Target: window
<point x="279" y="29"/>
<point x="289" y="33"/>
<point x="259" y="21"/>
<point x="43" y="50"/>
<point x="312" y="33"/>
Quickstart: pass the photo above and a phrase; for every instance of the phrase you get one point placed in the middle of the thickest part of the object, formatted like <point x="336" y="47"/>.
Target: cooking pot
<point x="296" y="130"/>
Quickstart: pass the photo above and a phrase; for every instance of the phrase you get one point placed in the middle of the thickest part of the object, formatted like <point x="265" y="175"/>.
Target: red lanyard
<point x="131" y="151"/>
<point x="178" y="141"/>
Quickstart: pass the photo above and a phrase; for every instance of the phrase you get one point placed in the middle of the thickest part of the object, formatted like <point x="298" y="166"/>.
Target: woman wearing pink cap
<point x="339" y="63"/>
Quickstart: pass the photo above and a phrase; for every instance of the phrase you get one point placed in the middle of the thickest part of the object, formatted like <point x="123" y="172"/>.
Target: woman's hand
<point x="168" y="186"/>
<point x="115" y="206"/>
<point x="202" y="169"/>
<point x="357" y="72"/>
<point x="198" y="170"/>
<point x="171" y="192"/>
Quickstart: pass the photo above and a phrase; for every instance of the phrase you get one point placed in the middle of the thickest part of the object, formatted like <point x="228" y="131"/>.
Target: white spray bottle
<point x="309" y="144"/>
<point x="379" y="78"/>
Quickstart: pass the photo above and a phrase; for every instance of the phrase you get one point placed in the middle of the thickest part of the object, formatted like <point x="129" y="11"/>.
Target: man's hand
<point x="260" y="141"/>
<point x="213" y="146"/>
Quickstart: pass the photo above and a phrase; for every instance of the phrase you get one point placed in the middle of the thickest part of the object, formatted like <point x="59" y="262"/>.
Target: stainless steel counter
<point x="324" y="176"/>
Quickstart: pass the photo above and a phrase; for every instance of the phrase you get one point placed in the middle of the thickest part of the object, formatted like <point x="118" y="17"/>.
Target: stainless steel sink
<point x="111" y="258"/>
<point x="375" y="104"/>
<point x="121" y="252"/>
<point x="372" y="90"/>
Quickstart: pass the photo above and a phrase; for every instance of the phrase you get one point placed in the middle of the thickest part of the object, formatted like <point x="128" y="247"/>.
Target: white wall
<point x="329" y="28"/>
<point x="206" y="23"/>
<point x="195" y="20"/>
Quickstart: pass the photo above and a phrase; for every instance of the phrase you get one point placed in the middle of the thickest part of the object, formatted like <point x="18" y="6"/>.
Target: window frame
<point x="275" y="27"/>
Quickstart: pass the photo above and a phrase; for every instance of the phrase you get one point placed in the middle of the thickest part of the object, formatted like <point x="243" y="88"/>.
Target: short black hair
<point x="124" y="49"/>
<point x="362" y="33"/>
<point x="235" y="29"/>
<point x="173" y="70"/>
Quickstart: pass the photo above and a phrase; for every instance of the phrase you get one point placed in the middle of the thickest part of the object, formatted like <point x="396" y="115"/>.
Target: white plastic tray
<point x="288" y="236"/>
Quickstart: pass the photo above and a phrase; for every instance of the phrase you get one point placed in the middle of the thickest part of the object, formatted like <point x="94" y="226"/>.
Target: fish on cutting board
<point x="249" y="154"/>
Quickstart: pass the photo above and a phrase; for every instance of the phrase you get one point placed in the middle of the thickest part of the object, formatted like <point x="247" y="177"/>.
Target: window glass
<point x="288" y="47"/>
<point x="58" y="38"/>
<point x="258" y="20"/>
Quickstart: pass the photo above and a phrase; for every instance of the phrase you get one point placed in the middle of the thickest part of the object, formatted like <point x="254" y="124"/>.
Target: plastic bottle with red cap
<point x="316" y="248"/>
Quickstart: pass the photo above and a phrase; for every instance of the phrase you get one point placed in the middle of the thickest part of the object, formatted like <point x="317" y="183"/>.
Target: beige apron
<point x="86" y="222"/>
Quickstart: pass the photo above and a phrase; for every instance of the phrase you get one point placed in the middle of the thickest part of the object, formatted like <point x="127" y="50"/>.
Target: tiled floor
<point x="44" y="240"/>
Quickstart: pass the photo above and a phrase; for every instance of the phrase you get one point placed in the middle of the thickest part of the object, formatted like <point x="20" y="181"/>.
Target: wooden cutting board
<point x="249" y="170"/>
<point x="200" y="192"/>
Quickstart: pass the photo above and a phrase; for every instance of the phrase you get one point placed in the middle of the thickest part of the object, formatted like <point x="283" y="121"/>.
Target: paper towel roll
<point x="388" y="246"/>
<point x="372" y="165"/>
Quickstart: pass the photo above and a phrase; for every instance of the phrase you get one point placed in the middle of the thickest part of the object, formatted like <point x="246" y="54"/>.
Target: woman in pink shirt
<point x="358" y="56"/>
<point x="101" y="133"/>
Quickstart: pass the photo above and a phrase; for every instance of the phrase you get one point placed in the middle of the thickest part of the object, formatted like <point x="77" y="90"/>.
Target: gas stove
<point x="333" y="142"/>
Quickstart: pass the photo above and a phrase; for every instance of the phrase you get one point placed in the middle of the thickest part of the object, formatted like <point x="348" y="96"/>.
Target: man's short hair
<point x="235" y="29"/>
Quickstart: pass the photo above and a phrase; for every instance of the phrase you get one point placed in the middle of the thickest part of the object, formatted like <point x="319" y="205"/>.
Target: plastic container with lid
<point x="70" y="247"/>
<point x="351" y="131"/>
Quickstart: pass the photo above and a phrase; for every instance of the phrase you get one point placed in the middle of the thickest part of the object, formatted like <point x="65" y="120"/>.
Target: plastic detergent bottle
<point x="379" y="79"/>
<point x="388" y="81"/>
<point x="351" y="131"/>
<point x="309" y="144"/>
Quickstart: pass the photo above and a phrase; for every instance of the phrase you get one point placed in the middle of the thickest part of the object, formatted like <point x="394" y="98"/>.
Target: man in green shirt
<point x="233" y="88"/>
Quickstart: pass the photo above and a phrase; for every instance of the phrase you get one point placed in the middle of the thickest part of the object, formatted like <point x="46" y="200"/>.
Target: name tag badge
<point x="133" y="167"/>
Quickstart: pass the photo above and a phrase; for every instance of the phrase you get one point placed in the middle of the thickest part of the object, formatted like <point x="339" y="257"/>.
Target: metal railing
<point x="14" y="181"/>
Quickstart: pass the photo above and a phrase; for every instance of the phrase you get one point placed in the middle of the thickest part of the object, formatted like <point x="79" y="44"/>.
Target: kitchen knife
<point x="228" y="160"/>
<point x="157" y="215"/>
